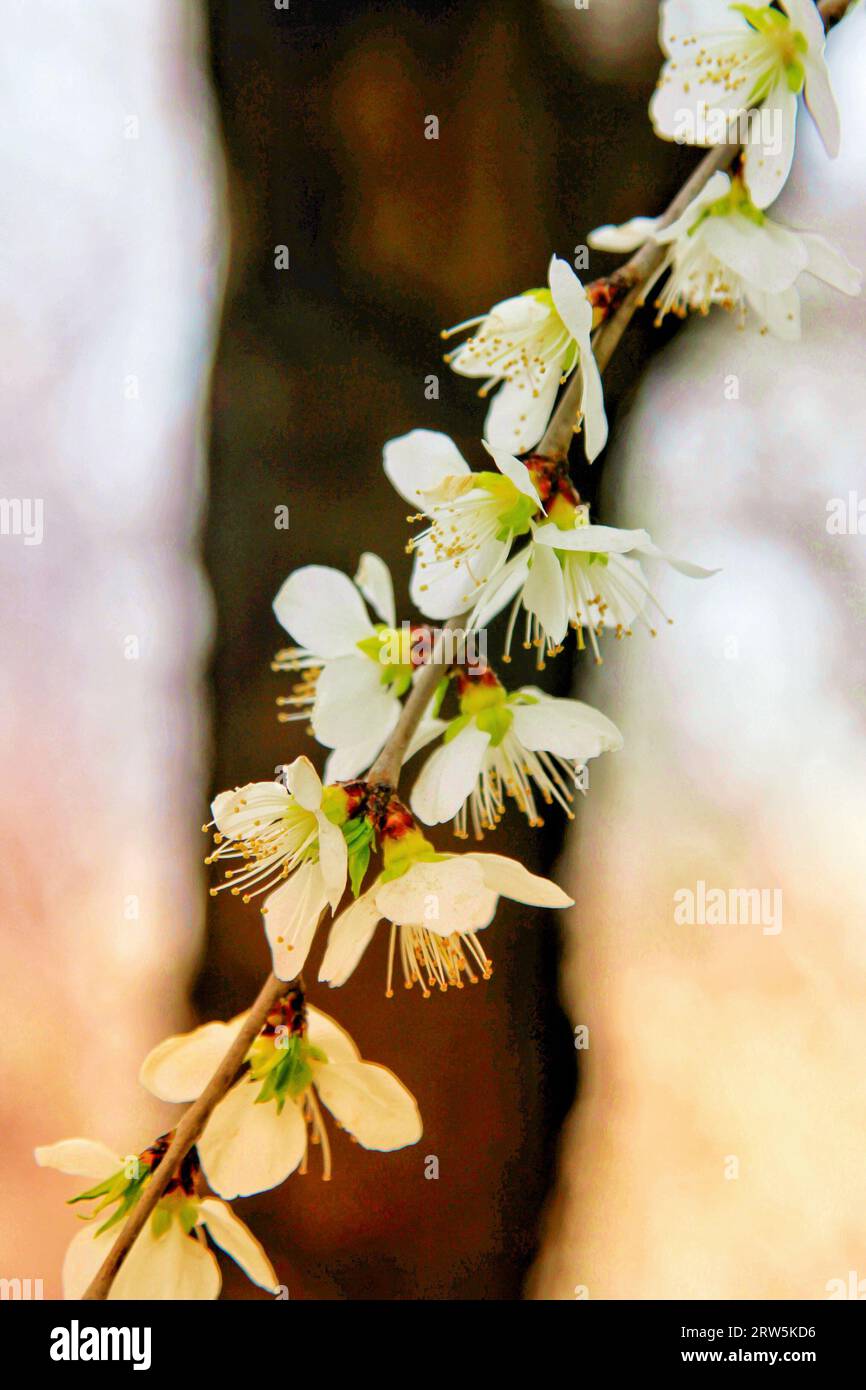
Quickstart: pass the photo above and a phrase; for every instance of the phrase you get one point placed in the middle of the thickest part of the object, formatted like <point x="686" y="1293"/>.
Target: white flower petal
<point x="345" y="764"/>
<point x="519" y="411"/>
<point x="325" y="1032"/>
<point x="80" y="1158"/>
<point x="681" y="20"/>
<point x="374" y="580"/>
<point x="766" y="167"/>
<point x="449" y="775"/>
<point x="352" y="705"/>
<point x="445" y="896"/>
<point x="544" y="593"/>
<point x="567" y="728"/>
<point x="719" y="186"/>
<point x="767" y="256"/>
<point x="173" y="1267"/>
<point x="333" y="860"/>
<point x="291" y="918"/>
<point x="238" y="1241"/>
<point x="501" y="589"/>
<point x="370" y="1102"/>
<point x="304" y="783"/>
<point x="322" y="610"/>
<point x="428" y="730"/>
<point x="604" y="540"/>
<point x="348" y="939"/>
<point x="442" y="589"/>
<point x="804" y="15"/>
<point x="780" y="312"/>
<point x="520" y="314"/>
<point x="592" y="403"/>
<point x="245" y="810"/>
<point x="179" y="1068"/>
<point x="828" y="263"/>
<point x="511" y="880"/>
<point x="247" y="1147"/>
<point x="514" y="470"/>
<point x="628" y="236"/>
<point x="821" y="101"/>
<point x="419" y="461"/>
<point x="569" y="298"/>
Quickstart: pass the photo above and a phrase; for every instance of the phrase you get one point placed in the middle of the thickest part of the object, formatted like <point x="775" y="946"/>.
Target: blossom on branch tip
<point x="525" y="348"/>
<point x="170" y="1258"/>
<point x="723" y="59"/>
<point x="528" y="745"/>
<point x="724" y="250"/>
<point x="436" y="904"/>
<point x="289" y="838"/>
<point x="259" y="1133"/>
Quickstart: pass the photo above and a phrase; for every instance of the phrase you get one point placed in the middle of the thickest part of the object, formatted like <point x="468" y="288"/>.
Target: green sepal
<point x="439" y="695"/>
<point x="160" y="1221"/>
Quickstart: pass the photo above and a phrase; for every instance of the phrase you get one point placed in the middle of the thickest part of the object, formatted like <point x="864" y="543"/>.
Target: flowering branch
<point x="533" y="495"/>
<point x="626" y="284"/>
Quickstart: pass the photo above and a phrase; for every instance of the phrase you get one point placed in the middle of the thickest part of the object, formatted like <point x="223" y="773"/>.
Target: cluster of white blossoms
<point x="513" y="537"/>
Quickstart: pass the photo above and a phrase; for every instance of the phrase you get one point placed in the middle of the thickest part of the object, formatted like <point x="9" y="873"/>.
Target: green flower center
<point x="281" y="1062"/>
<point x="790" y="45"/>
<point x="391" y="649"/>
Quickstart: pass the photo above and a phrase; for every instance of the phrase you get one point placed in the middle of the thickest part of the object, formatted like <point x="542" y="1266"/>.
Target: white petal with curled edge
<point x="510" y="879"/>
<point x="238" y="1241"/>
<point x="592" y="403"/>
<point x="685" y="567"/>
<point x="333" y="860"/>
<point x="501" y="589"/>
<point x="604" y="540"/>
<point x="717" y="187"/>
<point x="179" y="1068"/>
<point x="373" y="578"/>
<point x="370" y="1102"/>
<point x="245" y="810"/>
<point x="80" y="1158"/>
<point x="628" y="236"/>
<point x="429" y="729"/>
<point x="322" y="610"/>
<point x="352" y="705"/>
<point x="569" y="298"/>
<point x="514" y="470"/>
<point x="325" y="1032"/>
<point x="348" y="939"/>
<point x="567" y="728"/>
<point x="445" y="896"/>
<point x="768" y="256"/>
<point x="828" y="263"/>
<point x="544" y="593"/>
<point x="304" y="783"/>
<point x="822" y="103"/>
<point x="766" y="167"/>
<point x="449" y="775"/>
<point x="247" y="1147"/>
<point x="291" y="918"/>
<point x="517" y="417"/>
<point x="421" y="460"/>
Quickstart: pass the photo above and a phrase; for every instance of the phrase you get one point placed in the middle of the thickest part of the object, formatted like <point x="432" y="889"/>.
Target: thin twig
<point x="185" y="1135"/>
<point x="633" y="275"/>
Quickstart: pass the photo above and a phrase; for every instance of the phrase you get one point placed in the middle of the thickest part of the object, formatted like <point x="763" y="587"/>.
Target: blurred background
<point x="166" y="158"/>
